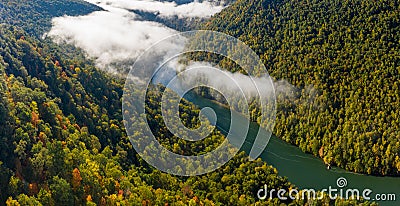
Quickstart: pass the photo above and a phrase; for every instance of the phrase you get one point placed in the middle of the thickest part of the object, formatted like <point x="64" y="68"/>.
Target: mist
<point x="224" y="81"/>
<point x="203" y="9"/>
<point x="108" y="37"/>
<point x="117" y="36"/>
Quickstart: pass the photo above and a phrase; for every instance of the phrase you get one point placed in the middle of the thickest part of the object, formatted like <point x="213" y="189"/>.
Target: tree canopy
<point x="343" y="57"/>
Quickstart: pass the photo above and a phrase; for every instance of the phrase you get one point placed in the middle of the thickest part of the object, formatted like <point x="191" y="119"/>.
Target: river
<point x="304" y="170"/>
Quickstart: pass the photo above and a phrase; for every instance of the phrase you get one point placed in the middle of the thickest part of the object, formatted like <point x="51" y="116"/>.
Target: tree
<point x="61" y="191"/>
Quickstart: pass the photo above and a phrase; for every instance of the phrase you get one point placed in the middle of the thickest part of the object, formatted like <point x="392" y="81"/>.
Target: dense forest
<point x="63" y="141"/>
<point x="35" y="16"/>
<point x="63" y="138"/>
<point x="343" y="58"/>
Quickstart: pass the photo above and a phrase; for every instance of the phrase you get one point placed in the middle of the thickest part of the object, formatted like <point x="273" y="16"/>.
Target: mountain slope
<point x="34" y="16"/>
<point x="344" y="57"/>
<point x="63" y="142"/>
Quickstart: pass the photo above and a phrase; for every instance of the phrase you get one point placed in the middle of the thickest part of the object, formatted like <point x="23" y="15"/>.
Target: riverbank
<point x="304" y="170"/>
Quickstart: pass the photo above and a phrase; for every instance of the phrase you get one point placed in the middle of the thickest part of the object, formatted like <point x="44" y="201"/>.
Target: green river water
<point x="304" y="170"/>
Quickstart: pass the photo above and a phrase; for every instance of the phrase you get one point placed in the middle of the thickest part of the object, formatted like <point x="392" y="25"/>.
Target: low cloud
<point x="108" y="37"/>
<point x="286" y="91"/>
<point x="116" y="35"/>
<point x="202" y="9"/>
<point x="225" y="81"/>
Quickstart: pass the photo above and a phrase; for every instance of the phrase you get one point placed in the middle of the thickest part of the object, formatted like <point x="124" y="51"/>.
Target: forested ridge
<point x="34" y="16"/>
<point x="343" y="57"/>
<point x="63" y="140"/>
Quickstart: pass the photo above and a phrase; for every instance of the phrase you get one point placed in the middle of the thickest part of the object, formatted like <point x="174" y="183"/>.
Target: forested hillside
<point x="34" y="16"/>
<point x="62" y="136"/>
<point x="343" y="56"/>
<point x="63" y="142"/>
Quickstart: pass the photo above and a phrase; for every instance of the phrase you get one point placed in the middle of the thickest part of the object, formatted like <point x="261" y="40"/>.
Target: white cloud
<point x="194" y="9"/>
<point x="109" y="36"/>
<point x="225" y="82"/>
<point x="118" y="35"/>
